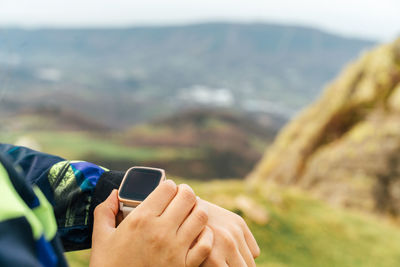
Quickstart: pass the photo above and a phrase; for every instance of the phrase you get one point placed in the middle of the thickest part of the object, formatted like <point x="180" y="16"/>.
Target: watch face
<point x="139" y="183"/>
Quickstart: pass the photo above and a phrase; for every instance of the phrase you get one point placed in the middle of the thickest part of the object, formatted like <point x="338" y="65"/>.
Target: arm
<point x="161" y="231"/>
<point x="74" y="188"/>
<point x="27" y="224"/>
<point x="167" y="229"/>
<point x="233" y="242"/>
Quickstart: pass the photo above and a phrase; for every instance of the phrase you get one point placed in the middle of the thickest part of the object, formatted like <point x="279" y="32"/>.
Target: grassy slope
<point x="303" y="231"/>
<point x="186" y="155"/>
<point x="78" y="145"/>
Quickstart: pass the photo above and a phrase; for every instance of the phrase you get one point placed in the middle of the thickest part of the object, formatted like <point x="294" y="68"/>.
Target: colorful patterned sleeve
<point x="74" y="188"/>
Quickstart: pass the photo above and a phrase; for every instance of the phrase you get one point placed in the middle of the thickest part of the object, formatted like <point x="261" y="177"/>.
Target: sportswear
<point x="47" y="204"/>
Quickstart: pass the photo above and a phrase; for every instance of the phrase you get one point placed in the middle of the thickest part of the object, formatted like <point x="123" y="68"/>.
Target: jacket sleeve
<point x="74" y="188"/>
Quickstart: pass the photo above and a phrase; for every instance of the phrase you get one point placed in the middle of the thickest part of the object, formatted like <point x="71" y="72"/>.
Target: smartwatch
<point x="136" y="185"/>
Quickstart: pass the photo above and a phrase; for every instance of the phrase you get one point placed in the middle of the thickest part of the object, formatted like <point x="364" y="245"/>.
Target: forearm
<point x="78" y="188"/>
<point x="74" y="188"/>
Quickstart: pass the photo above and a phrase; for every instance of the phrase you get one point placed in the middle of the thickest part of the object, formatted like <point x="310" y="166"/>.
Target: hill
<point x="199" y="144"/>
<point x="130" y="75"/>
<point x="346" y="146"/>
<point x="225" y="144"/>
<point x="47" y="118"/>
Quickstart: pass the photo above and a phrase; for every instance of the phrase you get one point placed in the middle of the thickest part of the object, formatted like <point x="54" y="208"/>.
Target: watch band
<point x="125" y="209"/>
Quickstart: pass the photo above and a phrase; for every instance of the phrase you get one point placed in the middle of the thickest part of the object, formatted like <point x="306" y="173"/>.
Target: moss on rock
<point x="345" y="147"/>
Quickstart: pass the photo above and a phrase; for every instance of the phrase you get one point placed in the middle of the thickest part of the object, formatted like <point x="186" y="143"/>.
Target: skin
<point x="167" y="229"/>
<point x="234" y="244"/>
<point x="205" y="234"/>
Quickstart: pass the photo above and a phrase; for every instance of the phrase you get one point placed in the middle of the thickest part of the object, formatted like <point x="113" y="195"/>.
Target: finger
<point x="194" y="223"/>
<point x="159" y="199"/>
<point x="235" y="259"/>
<point x="251" y="242"/>
<point x="180" y="206"/>
<point x="201" y="249"/>
<point x="105" y="212"/>
<point x="210" y="262"/>
<point x="245" y="251"/>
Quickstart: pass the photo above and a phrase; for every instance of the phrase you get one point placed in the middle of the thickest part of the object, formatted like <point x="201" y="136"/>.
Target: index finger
<point x="159" y="199"/>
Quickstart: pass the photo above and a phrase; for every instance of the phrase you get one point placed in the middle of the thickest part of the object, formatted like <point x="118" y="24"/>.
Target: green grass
<point x="79" y="145"/>
<point x="303" y="231"/>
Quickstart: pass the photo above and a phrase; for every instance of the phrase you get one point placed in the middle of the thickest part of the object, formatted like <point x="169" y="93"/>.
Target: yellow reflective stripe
<point x="44" y="212"/>
<point x="13" y="206"/>
<point x="55" y="170"/>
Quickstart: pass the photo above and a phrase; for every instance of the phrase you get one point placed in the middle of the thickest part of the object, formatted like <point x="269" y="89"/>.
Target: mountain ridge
<point x="253" y="63"/>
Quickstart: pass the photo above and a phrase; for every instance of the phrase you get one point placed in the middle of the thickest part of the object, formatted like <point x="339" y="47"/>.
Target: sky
<point x="372" y="19"/>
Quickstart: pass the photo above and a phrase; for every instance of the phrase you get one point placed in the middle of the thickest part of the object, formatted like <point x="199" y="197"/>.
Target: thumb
<point x="105" y="213"/>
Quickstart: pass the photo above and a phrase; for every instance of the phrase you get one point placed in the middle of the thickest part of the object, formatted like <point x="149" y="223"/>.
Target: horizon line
<point x="94" y="26"/>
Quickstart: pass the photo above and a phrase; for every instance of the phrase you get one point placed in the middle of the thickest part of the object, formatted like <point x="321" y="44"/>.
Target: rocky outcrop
<point x="346" y="146"/>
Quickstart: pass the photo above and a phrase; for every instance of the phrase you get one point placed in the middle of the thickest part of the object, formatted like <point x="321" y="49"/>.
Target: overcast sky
<point x="375" y="19"/>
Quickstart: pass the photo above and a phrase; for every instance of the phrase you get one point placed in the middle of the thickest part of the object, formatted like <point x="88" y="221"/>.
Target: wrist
<point x="107" y="182"/>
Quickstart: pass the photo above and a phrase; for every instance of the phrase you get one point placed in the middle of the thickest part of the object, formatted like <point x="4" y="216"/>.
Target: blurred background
<point x="285" y="112"/>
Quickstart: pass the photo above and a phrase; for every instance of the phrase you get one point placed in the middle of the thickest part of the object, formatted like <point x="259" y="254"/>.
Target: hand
<point x="167" y="229"/>
<point x="234" y="244"/>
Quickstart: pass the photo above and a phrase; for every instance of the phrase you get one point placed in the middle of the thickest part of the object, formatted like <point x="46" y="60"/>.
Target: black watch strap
<point x="107" y="182"/>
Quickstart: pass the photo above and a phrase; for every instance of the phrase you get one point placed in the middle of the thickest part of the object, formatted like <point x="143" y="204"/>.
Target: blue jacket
<point x="47" y="205"/>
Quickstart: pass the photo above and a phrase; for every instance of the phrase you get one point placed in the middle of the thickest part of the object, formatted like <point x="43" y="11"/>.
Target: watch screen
<point x="139" y="183"/>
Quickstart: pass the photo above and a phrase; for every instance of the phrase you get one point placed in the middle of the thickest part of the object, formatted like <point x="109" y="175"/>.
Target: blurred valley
<point x="130" y="75"/>
<point x="203" y="101"/>
<point x="202" y="144"/>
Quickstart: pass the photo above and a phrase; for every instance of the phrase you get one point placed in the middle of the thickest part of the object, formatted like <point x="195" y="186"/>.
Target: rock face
<point x="346" y="146"/>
